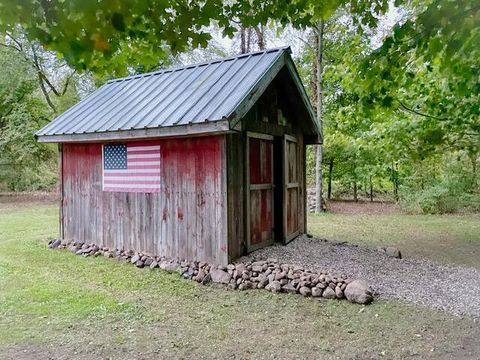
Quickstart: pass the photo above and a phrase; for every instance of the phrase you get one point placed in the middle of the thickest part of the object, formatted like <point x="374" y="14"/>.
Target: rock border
<point x="266" y="274"/>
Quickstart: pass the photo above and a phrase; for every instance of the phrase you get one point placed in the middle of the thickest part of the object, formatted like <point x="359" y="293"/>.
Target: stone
<point x="154" y="265"/>
<point x="274" y="286"/>
<point x="263" y="282"/>
<point x="393" y="252"/>
<point x="259" y="263"/>
<point x="135" y="258"/>
<point x="257" y="269"/>
<point x="206" y="279"/>
<point x="380" y="249"/>
<point x="283" y="282"/>
<point x="316" y="292"/>
<point x="339" y="292"/>
<point x="200" y="276"/>
<point x="188" y="274"/>
<point x="230" y="267"/>
<point x="321" y="285"/>
<point x="289" y="288"/>
<point x="242" y="286"/>
<point x="148" y="261"/>
<point x="305" y="291"/>
<point x="281" y="275"/>
<point x="139" y="264"/>
<point x="358" y="292"/>
<point x="271" y="277"/>
<point x="231" y="286"/>
<point x="220" y="276"/>
<point x="170" y="266"/>
<point x="329" y="293"/>
<point x="54" y="244"/>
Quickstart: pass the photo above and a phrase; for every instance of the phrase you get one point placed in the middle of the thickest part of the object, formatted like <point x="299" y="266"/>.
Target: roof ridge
<point x="191" y="66"/>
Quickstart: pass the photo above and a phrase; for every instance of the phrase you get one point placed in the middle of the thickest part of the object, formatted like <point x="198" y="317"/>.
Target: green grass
<point x="453" y="239"/>
<point x="55" y="304"/>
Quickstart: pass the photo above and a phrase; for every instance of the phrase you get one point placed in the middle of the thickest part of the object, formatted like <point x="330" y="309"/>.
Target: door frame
<point x="249" y="188"/>
<point x="289" y="185"/>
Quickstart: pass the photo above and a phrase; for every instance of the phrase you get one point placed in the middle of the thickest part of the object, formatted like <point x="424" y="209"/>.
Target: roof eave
<point x="206" y="128"/>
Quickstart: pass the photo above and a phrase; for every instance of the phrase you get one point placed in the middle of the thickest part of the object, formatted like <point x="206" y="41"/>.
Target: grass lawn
<point x="453" y="239"/>
<point x="54" y="304"/>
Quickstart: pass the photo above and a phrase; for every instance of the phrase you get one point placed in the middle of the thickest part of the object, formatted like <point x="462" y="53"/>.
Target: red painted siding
<point x="186" y="219"/>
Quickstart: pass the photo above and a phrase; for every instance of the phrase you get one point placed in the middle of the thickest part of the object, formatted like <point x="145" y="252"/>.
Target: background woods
<point x="396" y="86"/>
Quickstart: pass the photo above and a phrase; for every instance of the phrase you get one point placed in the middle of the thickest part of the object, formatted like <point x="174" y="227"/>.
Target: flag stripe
<point x="131" y="182"/>
<point x="139" y="153"/>
<point x="132" y="189"/>
<point x="134" y="159"/>
<point x="114" y="179"/>
<point x="144" y="172"/>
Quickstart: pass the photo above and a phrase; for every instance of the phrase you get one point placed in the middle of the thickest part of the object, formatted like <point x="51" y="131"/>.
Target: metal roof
<point x="195" y="94"/>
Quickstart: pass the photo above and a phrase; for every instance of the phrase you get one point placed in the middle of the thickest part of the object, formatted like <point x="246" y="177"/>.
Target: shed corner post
<point x="60" y="185"/>
<point x="305" y="192"/>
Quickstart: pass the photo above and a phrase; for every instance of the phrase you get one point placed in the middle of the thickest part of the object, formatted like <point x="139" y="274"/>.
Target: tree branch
<point x="41" y="78"/>
<point x="416" y="112"/>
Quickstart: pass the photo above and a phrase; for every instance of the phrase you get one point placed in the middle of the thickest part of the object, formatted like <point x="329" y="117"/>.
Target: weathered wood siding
<point x="236" y="194"/>
<point x="273" y="114"/>
<point x="186" y="219"/>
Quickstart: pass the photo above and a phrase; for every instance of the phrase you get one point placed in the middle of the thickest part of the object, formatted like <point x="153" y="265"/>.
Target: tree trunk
<point x="260" y="37"/>
<point x="371" y="189"/>
<point x="319" y="154"/>
<point x="355" y="195"/>
<point x="243" y="47"/>
<point x="330" y="175"/>
<point x="395" y="181"/>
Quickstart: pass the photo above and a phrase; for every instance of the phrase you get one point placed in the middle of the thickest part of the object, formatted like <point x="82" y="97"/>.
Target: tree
<point x="34" y="54"/>
<point x="111" y="36"/>
<point x="25" y="164"/>
<point x="318" y="31"/>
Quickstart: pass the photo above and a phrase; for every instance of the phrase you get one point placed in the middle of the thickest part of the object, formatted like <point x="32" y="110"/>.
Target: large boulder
<point x="358" y="292"/>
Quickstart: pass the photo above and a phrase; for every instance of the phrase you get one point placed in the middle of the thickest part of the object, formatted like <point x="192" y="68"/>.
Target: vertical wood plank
<point x="60" y="180"/>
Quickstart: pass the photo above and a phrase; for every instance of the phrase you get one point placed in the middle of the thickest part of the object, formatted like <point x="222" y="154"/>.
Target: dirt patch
<point x="28" y="199"/>
<point x="362" y="207"/>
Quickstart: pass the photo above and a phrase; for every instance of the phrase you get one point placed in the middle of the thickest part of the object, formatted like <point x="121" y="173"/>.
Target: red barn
<point x="204" y="162"/>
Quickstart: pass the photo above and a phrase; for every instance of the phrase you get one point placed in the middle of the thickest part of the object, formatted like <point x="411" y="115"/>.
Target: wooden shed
<point x="204" y="162"/>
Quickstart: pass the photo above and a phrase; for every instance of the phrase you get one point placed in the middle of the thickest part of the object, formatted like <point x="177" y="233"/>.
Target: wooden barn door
<point x="291" y="188"/>
<point x="259" y="190"/>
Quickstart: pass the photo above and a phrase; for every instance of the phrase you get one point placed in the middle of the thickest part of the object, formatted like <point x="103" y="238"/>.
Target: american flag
<point x="131" y="167"/>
